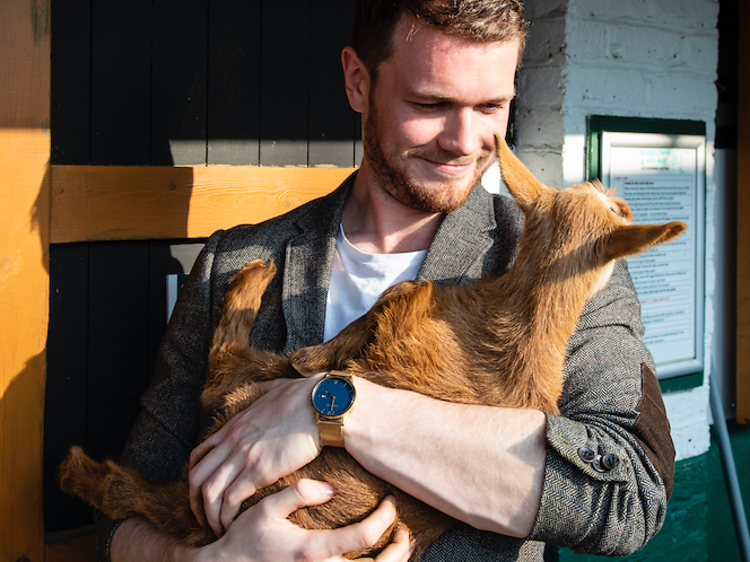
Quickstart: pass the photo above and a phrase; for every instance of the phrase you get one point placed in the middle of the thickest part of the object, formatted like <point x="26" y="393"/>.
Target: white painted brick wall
<point x="627" y="58"/>
<point x="540" y="91"/>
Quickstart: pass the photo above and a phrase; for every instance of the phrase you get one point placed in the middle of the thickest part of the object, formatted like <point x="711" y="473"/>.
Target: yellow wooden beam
<point x="24" y="277"/>
<point x="126" y="203"/>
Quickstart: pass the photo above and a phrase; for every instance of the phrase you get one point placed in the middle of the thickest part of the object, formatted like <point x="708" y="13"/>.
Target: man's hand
<point x="263" y="533"/>
<point x="276" y="539"/>
<point x="271" y="439"/>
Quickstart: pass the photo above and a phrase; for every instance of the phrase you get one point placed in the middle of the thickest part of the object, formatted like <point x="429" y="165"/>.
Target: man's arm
<point x="448" y="455"/>
<point x="611" y="407"/>
<point x="482" y="465"/>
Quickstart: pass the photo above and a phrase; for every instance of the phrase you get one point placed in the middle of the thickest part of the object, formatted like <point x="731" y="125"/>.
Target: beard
<point x="390" y="171"/>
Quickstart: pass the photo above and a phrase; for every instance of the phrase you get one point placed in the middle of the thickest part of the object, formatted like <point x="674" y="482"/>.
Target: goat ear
<point x="521" y="183"/>
<point x="635" y="238"/>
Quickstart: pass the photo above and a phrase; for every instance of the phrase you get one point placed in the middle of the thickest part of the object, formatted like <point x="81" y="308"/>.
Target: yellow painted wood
<point x="24" y="278"/>
<point x="126" y="203"/>
<point x="743" y="224"/>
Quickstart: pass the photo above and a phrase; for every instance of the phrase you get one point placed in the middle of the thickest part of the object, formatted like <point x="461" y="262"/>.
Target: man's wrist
<point x="192" y="554"/>
<point x="137" y="539"/>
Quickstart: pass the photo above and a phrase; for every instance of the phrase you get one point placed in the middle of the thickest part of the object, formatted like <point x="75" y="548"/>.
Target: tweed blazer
<point x="611" y="403"/>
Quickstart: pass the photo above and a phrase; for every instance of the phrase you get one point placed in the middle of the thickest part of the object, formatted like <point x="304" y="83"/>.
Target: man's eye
<point x="492" y="107"/>
<point x="428" y="106"/>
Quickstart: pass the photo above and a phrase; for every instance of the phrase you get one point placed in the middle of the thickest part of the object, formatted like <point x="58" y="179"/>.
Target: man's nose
<point x="460" y="134"/>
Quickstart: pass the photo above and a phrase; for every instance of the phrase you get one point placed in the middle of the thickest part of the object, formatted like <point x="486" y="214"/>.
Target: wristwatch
<point x="333" y="399"/>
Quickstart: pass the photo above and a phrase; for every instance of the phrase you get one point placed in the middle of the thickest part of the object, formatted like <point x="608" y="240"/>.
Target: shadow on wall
<point x="22" y="443"/>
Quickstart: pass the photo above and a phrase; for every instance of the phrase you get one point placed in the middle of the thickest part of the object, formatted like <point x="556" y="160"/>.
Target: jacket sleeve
<point x="610" y="458"/>
<point x="167" y="428"/>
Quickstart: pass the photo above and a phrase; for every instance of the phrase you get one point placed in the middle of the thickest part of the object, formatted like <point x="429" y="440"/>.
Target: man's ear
<point x="356" y="79"/>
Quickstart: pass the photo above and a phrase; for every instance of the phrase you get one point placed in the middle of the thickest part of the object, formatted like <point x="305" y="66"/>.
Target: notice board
<point x="658" y="167"/>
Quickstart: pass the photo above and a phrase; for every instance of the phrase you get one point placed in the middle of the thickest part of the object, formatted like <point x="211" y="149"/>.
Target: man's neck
<point x="376" y="223"/>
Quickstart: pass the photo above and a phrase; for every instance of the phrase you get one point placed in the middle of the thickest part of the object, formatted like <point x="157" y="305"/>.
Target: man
<point x="433" y="80"/>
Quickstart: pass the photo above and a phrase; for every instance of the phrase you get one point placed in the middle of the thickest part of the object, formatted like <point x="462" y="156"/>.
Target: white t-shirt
<point x="358" y="279"/>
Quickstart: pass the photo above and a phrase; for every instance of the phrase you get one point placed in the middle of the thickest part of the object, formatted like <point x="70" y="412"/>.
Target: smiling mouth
<point x="450" y="167"/>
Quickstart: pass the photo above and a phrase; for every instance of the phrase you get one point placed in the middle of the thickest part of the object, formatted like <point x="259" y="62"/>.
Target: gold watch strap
<point x="331" y="432"/>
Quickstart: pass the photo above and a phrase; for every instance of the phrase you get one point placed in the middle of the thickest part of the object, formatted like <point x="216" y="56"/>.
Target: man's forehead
<point x="431" y="63"/>
<point x="410" y="31"/>
<point x="424" y="44"/>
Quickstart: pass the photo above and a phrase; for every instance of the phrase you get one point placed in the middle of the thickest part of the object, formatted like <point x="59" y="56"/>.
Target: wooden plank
<point x="285" y="82"/>
<point x="234" y="82"/>
<point x="118" y="343"/>
<point x="126" y="203"/>
<point x="179" y="82"/>
<point x="121" y="82"/>
<point x="65" y="412"/>
<point x="743" y="225"/>
<point x="331" y="118"/>
<point x="71" y="76"/>
<point x="24" y="280"/>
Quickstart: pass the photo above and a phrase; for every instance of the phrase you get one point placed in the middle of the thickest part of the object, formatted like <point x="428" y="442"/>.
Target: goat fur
<point x="498" y="342"/>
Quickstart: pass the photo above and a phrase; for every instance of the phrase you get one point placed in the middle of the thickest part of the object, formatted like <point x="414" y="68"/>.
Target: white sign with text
<point x="662" y="179"/>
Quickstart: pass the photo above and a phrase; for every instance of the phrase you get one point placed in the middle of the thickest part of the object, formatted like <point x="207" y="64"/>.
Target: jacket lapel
<point x="307" y="272"/>
<point x="464" y="238"/>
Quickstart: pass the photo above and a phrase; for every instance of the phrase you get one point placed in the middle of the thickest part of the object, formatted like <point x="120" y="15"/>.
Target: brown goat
<point x="499" y="342"/>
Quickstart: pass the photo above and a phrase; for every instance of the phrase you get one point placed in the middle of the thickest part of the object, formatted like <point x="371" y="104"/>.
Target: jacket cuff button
<point x="609" y="461"/>
<point x="587" y="454"/>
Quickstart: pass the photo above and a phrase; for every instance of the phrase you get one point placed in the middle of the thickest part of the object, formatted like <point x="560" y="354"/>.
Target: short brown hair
<point x="480" y="20"/>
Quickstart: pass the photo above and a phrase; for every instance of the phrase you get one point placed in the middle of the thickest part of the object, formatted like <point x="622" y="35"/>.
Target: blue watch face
<point x="333" y="396"/>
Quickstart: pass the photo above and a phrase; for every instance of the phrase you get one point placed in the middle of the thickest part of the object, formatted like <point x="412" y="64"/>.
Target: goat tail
<point x="241" y="305"/>
<point x="92" y="481"/>
<point x="80" y="476"/>
<point x="120" y="492"/>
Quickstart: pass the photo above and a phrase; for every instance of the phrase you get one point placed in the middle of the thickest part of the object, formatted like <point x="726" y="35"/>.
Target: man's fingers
<point x="363" y="534"/>
<point x="203" y="461"/>
<point x="240" y="490"/>
<point x="271" y="516"/>
<point x="197" y="477"/>
<point x="399" y="550"/>
<point x="300" y="494"/>
<point x="208" y="481"/>
<point x="197" y="454"/>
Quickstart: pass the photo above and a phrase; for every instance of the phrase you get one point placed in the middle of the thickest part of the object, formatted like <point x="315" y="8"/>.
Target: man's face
<point x="429" y="124"/>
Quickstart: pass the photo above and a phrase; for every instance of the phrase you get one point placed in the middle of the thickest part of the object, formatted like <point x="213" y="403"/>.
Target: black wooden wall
<point x="224" y="81"/>
<point x="163" y="82"/>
